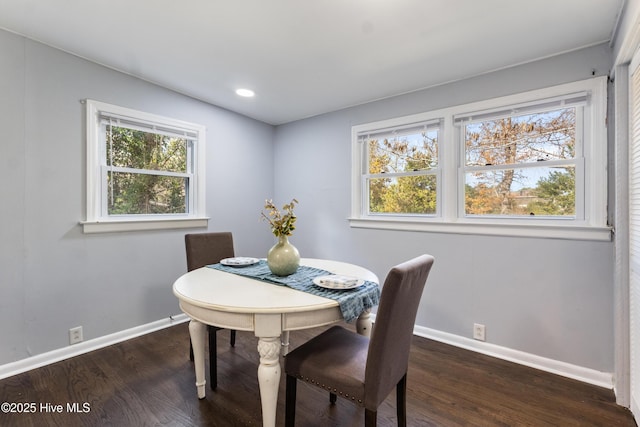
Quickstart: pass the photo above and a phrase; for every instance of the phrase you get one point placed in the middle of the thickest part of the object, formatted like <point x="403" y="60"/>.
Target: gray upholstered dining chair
<point x="205" y="249"/>
<point x="360" y="369"/>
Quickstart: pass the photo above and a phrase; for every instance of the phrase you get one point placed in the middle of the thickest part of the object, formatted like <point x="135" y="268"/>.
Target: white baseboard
<point x="580" y="373"/>
<point x="590" y="376"/>
<point x="57" y="355"/>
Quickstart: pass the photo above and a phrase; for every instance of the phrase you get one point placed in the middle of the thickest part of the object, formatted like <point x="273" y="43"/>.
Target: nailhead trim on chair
<point x="328" y="388"/>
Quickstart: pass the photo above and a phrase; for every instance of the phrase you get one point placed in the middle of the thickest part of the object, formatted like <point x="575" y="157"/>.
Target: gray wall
<point x="551" y="298"/>
<point x="54" y="277"/>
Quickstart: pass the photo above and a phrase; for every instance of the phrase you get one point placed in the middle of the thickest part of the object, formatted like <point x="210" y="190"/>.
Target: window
<point x="143" y="171"/>
<point x="523" y="162"/>
<point x="532" y="164"/>
<point x="402" y="169"/>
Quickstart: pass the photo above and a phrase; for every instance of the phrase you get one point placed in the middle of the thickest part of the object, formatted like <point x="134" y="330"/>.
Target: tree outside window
<point x="401" y="175"/>
<point x="521" y="165"/>
<point x="526" y="164"/>
<point x="146" y="172"/>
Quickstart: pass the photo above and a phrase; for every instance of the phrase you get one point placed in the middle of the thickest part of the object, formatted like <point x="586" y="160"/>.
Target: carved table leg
<point x="269" y="378"/>
<point x="363" y="324"/>
<point x="198" y="332"/>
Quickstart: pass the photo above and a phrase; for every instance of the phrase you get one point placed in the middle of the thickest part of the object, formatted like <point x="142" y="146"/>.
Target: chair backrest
<point x="207" y="248"/>
<point x="388" y="354"/>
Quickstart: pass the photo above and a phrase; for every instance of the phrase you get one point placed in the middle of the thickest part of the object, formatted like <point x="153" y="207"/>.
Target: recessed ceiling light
<point x="247" y="93"/>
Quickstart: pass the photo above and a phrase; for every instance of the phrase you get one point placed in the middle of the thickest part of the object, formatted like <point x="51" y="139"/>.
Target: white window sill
<point x="555" y="231"/>
<point x="113" y="226"/>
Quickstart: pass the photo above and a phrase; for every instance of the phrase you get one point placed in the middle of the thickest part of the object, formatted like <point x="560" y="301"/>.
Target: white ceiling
<point x="304" y="58"/>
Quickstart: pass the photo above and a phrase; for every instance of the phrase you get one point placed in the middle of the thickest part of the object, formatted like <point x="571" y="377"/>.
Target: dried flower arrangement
<point x="282" y="222"/>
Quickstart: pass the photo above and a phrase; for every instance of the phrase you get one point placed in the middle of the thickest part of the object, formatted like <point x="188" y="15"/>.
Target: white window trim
<point x="410" y="128"/>
<point x="96" y="221"/>
<point x="592" y="227"/>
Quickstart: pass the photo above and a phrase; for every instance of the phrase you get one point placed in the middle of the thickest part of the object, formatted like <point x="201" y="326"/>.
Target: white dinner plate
<point x="336" y="281"/>
<point x="241" y="261"/>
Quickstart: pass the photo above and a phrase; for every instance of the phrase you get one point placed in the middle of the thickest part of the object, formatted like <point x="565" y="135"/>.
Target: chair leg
<point x="213" y="357"/>
<point x="401" y="401"/>
<point x="332" y="398"/>
<point x="370" y="418"/>
<point x="290" y="402"/>
<point x="233" y="338"/>
<point x="190" y="350"/>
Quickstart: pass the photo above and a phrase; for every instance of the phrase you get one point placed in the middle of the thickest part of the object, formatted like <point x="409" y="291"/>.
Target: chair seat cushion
<point x="337" y="356"/>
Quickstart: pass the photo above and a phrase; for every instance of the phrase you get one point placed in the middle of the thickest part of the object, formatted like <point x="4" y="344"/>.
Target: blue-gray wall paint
<point x="551" y="298"/>
<point x="54" y="277"/>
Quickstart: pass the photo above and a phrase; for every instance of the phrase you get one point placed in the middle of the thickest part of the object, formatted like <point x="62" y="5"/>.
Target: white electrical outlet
<point x="75" y="335"/>
<point x="479" y="332"/>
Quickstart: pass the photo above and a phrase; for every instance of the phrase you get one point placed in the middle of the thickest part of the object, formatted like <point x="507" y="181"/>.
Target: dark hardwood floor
<point x="149" y="381"/>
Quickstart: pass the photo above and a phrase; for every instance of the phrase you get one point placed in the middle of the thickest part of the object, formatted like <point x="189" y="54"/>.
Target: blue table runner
<point x="352" y="301"/>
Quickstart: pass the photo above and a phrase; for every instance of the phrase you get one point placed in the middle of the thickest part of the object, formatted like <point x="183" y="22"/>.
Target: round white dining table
<point x="231" y="301"/>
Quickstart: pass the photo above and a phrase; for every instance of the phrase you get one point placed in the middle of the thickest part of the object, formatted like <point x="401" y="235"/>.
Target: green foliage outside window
<point x="515" y="166"/>
<point x="527" y="139"/>
<point x="408" y="193"/>
<point x="144" y="172"/>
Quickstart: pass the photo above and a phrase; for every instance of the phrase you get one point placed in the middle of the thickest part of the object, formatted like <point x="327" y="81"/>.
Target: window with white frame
<point x="401" y="174"/>
<point x="530" y="164"/>
<point x="524" y="161"/>
<point x="143" y="171"/>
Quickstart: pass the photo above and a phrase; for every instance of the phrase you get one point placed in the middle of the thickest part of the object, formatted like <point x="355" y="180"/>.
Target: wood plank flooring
<point x="149" y="381"/>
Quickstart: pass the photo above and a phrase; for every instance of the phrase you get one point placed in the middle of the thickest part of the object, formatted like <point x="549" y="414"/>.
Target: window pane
<point x="144" y="150"/>
<point x="403" y="195"/>
<point x="531" y="191"/>
<point x="143" y="194"/>
<point x="417" y="151"/>
<point x="522" y="139"/>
